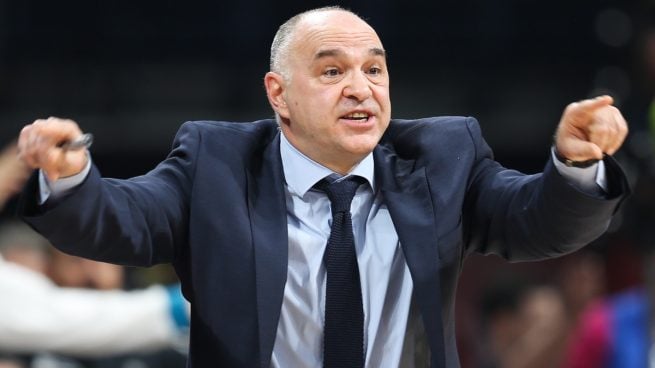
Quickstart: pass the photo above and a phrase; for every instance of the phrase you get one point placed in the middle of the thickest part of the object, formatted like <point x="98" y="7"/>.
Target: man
<point x="243" y="214"/>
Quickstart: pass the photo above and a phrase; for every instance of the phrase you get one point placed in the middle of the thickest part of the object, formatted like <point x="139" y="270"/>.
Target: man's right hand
<point x="39" y="146"/>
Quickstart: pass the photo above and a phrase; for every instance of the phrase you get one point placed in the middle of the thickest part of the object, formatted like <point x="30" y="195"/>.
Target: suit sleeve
<point x="530" y="217"/>
<point x="138" y="222"/>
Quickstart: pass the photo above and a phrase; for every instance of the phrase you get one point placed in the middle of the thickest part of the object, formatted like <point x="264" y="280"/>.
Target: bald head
<point x="287" y="33"/>
<point x="329" y="86"/>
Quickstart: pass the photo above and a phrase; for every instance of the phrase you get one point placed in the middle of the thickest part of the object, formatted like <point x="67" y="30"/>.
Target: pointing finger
<point x="579" y="113"/>
<point x="590" y="105"/>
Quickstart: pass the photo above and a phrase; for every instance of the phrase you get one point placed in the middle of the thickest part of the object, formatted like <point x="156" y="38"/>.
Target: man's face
<point x="336" y="99"/>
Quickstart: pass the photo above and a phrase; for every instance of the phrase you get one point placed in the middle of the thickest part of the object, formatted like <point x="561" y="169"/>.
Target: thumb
<point x="51" y="164"/>
<point x="579" y="150"/>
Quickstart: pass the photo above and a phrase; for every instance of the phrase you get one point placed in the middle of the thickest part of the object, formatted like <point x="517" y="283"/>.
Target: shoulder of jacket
<point x="254" y="127"/>
<point x="404" y="128"/>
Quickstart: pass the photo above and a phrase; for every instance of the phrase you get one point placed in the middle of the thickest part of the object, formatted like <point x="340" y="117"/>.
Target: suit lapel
<point x="268" y="219"/>
<point x="407" y="195"/>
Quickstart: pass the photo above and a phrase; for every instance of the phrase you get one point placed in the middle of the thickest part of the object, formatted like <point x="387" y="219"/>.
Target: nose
<point x="357" y="87"/>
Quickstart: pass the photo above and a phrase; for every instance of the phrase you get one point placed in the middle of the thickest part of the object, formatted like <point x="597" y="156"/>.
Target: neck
<point x="340" y="163"/>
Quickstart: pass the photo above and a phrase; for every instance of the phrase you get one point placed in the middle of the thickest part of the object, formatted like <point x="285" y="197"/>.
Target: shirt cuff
<point x="591" y="180"/>
<point x="62" y="186"/>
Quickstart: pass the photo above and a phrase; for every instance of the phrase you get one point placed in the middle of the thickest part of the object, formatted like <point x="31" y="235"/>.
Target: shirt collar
<point x="301" y="172"/>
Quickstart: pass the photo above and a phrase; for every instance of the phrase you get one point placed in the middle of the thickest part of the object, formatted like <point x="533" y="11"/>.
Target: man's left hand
<point x="589" y="128"/>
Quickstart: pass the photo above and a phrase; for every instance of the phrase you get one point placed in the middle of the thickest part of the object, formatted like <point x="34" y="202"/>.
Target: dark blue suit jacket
<point x="216" y="209"/>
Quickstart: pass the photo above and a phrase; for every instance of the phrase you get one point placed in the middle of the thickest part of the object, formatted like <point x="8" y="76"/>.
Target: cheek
<point x="327" y="98"/>
<point x="320" y="108"/>
<point x="312" y="101"/>
<point x="382" y="96"/>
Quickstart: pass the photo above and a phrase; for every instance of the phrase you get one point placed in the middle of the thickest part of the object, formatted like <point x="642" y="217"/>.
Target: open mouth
<point x="356" y="116"/>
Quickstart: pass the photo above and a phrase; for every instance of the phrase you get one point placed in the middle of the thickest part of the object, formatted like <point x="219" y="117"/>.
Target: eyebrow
<point x="375" y="51"/>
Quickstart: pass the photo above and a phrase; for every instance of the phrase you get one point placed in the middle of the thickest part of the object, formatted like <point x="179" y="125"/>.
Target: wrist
<point x="76" y="165"/>
<point x="571" y="163"/>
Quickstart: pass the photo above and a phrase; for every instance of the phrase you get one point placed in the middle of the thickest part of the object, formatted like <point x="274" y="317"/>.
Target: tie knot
<point x="341" y="192"/>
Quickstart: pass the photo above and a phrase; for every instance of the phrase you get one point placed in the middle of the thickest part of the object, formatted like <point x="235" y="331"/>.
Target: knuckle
<point x="572" y="107"/>
<point x="598" y="129"/>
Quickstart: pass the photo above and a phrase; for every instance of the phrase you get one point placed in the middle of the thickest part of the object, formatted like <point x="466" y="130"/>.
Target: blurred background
<point x="132" y="71"/>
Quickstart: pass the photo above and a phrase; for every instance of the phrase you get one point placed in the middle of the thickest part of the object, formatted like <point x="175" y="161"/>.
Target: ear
<point x="274" y="84"/>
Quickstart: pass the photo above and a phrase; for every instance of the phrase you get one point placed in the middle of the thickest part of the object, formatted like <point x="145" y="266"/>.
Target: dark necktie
<point x="343" y="344"/>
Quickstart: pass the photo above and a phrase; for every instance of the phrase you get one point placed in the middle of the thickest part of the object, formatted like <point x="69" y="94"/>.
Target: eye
<point x="331" y="72"/>
<point x="374" y="70"/>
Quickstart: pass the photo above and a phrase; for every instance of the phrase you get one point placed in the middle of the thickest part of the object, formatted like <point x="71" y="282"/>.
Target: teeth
<point x="357" y="115"/>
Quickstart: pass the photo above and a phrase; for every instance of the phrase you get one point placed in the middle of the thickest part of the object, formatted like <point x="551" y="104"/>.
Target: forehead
<point x="334" y="30"/>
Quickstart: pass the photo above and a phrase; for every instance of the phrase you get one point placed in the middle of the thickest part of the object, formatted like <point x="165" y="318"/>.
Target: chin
<point x="362" y="148"/>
